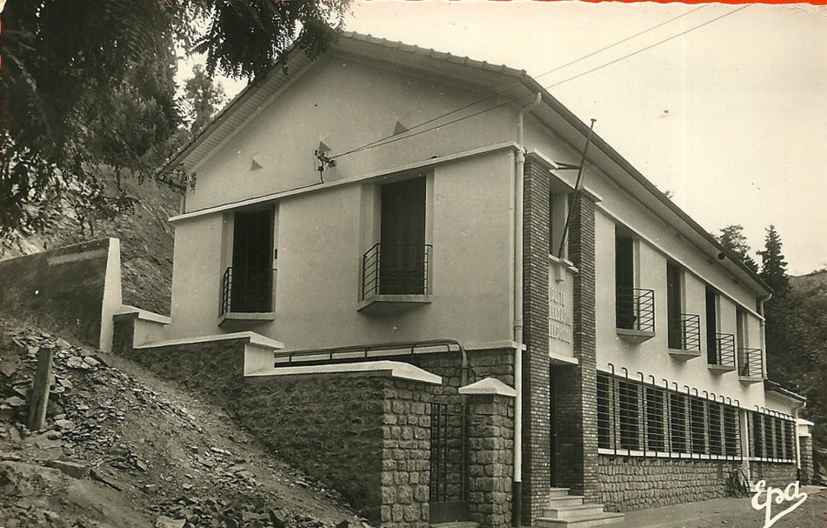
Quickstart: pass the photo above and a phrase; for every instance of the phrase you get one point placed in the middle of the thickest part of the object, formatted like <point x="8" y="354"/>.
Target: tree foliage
<point x="733" y="239"/>
<point x="87" y="85"/>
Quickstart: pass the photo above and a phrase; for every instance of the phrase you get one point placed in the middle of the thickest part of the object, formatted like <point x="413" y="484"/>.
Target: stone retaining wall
<point x="636" y="483"/>
<point x="367" y="436"/>
<point x="776" y="474"/>
<point x="806" y="446"/>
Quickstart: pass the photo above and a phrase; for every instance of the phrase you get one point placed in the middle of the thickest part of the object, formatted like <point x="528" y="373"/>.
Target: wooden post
<point x="39" y="398"/>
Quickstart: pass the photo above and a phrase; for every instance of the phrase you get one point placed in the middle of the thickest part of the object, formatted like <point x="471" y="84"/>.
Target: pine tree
<point x="778" y="311"/>
<point x="773" y="263"/>
<point x="733" y="239"/>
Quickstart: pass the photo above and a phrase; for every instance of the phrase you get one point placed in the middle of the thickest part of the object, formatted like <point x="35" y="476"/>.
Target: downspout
<point x="519" y="169"/>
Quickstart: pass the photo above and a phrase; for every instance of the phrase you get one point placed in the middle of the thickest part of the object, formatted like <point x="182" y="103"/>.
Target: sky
<point x="730" y="117"/>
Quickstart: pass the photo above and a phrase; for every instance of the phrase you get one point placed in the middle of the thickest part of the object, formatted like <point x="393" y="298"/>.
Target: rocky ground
<point x="124" y="449"/>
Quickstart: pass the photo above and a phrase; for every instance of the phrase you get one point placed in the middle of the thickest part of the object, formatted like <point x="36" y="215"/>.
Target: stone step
<point x="456" y="524"/>
<point x="573" y="512"/>
<point x="558" y="492"/>
<point x="563" y="501"/>
<point x="602" y="519"/>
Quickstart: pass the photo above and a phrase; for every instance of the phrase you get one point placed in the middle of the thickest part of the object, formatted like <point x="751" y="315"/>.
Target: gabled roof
<point x="474" y="72"/>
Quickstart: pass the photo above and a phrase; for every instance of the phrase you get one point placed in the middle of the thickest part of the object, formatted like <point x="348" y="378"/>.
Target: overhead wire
<point x="411" y="133"/>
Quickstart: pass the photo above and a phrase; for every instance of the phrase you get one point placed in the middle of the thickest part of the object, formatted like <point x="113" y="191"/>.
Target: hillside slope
<point x="124" y="449"/>
<point x="146" y="241"/>
<point x="805" y="368"/>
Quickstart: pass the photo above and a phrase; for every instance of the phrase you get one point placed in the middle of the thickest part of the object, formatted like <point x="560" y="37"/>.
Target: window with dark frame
<point x="677" y="425"/>
<point x="636" y="416"/>
<point x="730" y="431"/>
<point x="604" y="424"/>
<point x="757" y="431"/>
<point x="628" y="415"/>
<point x="697" y="425"/>
<point x="716" y="445"/>
<point x="655" y="430"/>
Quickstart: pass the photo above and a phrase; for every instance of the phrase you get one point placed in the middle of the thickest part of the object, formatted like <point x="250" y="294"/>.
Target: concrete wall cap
<point x="250" y="337"/>
<point x="489" y="386"/>
<point x="395" y="369"/>
<point x="144" y="315"/>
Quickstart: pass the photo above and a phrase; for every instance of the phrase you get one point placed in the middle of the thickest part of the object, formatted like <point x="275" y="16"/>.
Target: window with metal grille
<point x="677" y="423"/>
<point x="769" y="434"/>
<point x="604" y="415"/>
<point x="655" y="430"/>
<point x="697" y="425"/>
<point x="778" y="440"/>
<point x="716" y="446"/>
<point x="628" y="415"/>
<point x="757" y="431"/>
<point x="789" y="440"/>
<point x="730" y="431"/>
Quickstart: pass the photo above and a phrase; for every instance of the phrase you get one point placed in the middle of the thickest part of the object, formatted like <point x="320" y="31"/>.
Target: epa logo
<point x="765" y="496"/>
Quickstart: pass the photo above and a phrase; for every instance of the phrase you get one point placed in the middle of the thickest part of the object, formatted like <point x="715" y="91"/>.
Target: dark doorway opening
<point x="624" y="281"/>
<point x="674" y="305"/>
<point x="712" y="325"/>
<point x="404" y="254"/>
<point x="252" y="271"/>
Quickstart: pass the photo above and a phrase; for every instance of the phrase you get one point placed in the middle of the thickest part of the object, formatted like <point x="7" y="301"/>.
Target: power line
<point x="392" y="139"/>
<point x="497" y="94"/>
<point x="641" y="50"/>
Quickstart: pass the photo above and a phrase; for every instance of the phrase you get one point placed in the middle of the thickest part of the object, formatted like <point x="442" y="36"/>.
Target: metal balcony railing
<point x="723" y="354"/>
<point x="395" y="269"/>
<point x="226" y="292"/>
<point x="685" y="332"/>
<point x="750" y="363"/>
<point x="635" y="309"/>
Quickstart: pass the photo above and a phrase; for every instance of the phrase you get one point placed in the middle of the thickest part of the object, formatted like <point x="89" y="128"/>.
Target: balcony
<point x="635" y="314"/>
<point x="247" y="301"/>
<point x="722" y="357"/>
<point x="394" y="278"/>
<point x="750" y="365"/>
<point x="685" y="336"/>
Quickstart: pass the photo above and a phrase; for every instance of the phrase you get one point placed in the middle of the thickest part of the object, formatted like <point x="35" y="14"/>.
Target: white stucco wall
<point x="656" y="243"/>
<point x="320" y="243"/>
<point x="345" y="104"/>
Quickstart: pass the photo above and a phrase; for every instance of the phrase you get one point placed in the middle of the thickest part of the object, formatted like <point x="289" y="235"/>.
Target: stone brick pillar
<point x="406" y="455"/>
<point x="575" y="387"/>
<point x="490" y="452"/>
<point x="536" y="427"/>
<point x="806" y="475"/>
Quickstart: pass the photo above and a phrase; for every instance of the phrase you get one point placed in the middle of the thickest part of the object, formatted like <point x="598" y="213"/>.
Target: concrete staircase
<point x="568" y="511"/>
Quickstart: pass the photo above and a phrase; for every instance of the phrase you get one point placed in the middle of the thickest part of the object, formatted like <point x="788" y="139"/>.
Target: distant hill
<point x="814" y="282"/>
<point x="146" y="242"/>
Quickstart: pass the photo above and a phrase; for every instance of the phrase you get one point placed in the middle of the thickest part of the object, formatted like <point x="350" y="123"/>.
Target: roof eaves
<point x="774" y="386"/>
<point x="613" y="154"/>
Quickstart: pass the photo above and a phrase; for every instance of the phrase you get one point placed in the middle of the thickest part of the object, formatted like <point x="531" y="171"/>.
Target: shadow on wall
<point x="72" y="290"/>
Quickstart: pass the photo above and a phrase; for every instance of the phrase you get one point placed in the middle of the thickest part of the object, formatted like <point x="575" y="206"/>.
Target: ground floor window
<point x="771" y="436"/>
<point x="653" y="420"/>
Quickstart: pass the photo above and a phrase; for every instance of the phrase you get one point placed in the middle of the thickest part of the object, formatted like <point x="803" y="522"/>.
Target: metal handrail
<point x="690" y="331"/>
<point x="635" y="309"/>
<point x="226" y="292"/>
<point x="751" y="363"/>
<point x="724" y="353"/>
<point x="409" y="274"/>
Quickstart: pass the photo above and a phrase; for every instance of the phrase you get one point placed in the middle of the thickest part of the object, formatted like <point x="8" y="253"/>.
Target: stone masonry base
<point x="636" y="483"/>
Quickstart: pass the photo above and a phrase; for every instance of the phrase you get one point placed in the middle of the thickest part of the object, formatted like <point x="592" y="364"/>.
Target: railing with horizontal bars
<point x="685" y="332"/>
<point x="395" y="269"/>
<point x="635" y="309"/>
<point x="723" y="354"/>
<point x="750" y="363"/>
<point x="226" y="291"/>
